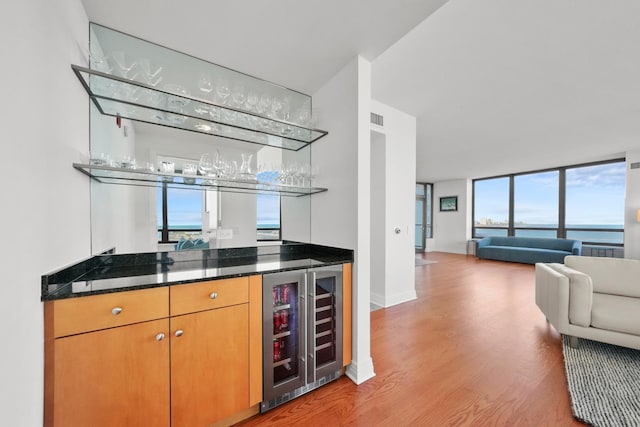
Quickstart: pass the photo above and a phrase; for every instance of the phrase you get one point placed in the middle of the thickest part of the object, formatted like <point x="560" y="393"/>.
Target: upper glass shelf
<point x="147" y="178"/>
<point x="138" y="80"/>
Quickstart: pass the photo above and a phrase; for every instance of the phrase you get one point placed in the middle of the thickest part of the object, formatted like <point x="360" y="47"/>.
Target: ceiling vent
<point x="377" y="119"/>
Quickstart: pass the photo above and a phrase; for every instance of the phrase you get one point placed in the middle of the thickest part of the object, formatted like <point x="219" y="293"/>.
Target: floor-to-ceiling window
<point x="595" y="203"/>
<point x="491" y="206"/>
<point x="424" y="215"/>
<point x="584" y="202"/>
<point x="535" y="204"/>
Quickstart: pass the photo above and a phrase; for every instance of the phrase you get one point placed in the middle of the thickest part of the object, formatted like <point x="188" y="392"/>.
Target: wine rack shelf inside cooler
<point x="324" y="325"/>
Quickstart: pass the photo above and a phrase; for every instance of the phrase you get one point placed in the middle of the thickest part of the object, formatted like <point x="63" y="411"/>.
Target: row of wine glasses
<point x="237" y="96"/>
<point x="221" y="90"/>
<point x="218" y="166"/>
<point x="121" y="64"/>
<point x="289" y="173"/>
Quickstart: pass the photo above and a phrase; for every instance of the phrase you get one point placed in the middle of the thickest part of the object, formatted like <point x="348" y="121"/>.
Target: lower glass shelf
<point x="147" y="178"/>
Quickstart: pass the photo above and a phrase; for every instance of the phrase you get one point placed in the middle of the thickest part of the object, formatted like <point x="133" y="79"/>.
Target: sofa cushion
<point x="615" y="313"/>
<point x="532" y="242"/>
<point x="521" y="254"/>
<point x="610" y="275"/>
<point x="580" y="295"/>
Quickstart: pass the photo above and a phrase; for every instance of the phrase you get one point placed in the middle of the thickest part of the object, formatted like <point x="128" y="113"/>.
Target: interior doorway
<point x="424" y="215"/>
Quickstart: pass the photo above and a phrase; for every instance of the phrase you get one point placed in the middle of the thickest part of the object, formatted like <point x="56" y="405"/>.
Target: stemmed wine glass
<point x="125" y="64"/>
<point x="252" y="101"/>
<point x="223" y="91"/>
<point x="205" y="166"/>
<point x="150" y="72"/>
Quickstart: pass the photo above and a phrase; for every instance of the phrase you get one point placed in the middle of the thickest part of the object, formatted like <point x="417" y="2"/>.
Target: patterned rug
<point x="604" y="383"/>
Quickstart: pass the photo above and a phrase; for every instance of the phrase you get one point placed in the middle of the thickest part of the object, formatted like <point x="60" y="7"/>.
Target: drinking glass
<point x="238" y="96"/>
<point x="205" y="165"/>
<point x="125" y="65"/>
<point x="252" y="101"/>
<point x="167" y="167"/>
<point x="176" y="102"/>
<point x="222" y="91"/>
<point x="205" y="84"/>
<point x="189" y="169"/>
<point x="150" y="72"/>
<point x="264" y="105"/>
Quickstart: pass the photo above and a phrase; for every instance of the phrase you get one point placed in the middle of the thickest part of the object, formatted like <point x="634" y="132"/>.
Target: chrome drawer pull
<point x="160" y="337"/>
<point x="213" y="295"/>
<point x="116" y="310"/>
<point x="179" y="333"/>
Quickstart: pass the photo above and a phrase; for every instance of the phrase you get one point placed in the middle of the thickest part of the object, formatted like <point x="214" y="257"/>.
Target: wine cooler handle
<point x="311" y="328"/>
<point x="302" y="319"/>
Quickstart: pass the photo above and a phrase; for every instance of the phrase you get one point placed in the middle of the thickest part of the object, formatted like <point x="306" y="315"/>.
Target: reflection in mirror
<point x="134" y="218"/>
<point x="147" y="219"/>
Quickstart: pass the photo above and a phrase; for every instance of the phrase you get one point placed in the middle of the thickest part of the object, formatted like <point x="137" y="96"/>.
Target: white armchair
<point x="592" y="297"/>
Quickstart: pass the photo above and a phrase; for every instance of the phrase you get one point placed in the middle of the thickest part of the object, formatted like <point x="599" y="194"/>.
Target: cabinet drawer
<point x="84" y="314"/>
<point x="201" y="296"/>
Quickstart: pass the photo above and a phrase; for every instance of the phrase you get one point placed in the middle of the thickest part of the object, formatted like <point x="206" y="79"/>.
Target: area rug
<point x="604" y="383"/>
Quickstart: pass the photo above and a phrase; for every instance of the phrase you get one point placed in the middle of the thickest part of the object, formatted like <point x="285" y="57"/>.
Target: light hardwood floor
<point x="472" y="350"/>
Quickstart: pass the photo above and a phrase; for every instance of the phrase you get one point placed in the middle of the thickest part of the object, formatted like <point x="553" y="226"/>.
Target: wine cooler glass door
<point x="283" y="333"/>
<point x="325" y="322"/>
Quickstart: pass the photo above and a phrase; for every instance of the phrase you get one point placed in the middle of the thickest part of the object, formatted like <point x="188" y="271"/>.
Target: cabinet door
<point x="209" y="365"/>
<point x="113" y="377"/>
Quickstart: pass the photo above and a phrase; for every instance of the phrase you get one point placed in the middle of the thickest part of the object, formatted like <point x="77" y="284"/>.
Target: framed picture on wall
<point x="449" y="204"/>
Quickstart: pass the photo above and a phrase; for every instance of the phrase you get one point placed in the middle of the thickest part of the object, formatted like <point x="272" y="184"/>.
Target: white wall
<point x="631" y="206"/>
<point x="452" y="230"/>
<point x="129" y="229"/>
<point x="341" y="217"/>
<point x="398" y="180"/>
<point x="45" y="201"/>
<point x="378" y="218"/>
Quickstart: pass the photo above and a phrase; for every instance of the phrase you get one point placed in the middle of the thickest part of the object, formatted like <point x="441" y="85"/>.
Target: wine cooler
<point x="302" y="332"/>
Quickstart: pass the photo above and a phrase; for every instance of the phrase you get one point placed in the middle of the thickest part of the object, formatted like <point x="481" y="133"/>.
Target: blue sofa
<point x="528" y="250"/>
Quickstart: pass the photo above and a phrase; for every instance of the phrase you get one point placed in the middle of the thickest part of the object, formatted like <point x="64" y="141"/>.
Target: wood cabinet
<point x="209" y="366"/>
<point x="186" y="355"/>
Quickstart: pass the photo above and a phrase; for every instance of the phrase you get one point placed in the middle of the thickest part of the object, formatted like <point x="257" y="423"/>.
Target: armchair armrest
<point x="580" y="295"/>
<point x="552" y="296"/>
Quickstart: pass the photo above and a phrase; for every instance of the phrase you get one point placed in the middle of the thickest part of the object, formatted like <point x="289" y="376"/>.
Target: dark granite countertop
<point x="116" y="273"/>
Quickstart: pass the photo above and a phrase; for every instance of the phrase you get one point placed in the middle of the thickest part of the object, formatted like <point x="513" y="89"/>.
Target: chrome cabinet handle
<point x="213" y="295"/>
<point x="160" y="336"/>
<point x="116" y="310"/>
<point x="179" y="333"/>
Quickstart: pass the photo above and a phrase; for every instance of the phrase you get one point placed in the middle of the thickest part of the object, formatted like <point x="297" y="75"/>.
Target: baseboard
<point x="359" y="373"/>
<point x="396" y="299"/>
<point x="376" y="299"/>
<point x="392" y="300"/>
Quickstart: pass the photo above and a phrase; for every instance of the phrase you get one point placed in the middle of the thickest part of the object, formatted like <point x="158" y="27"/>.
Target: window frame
<point x="561" y="230"/>
<point x="164" y="230"/>
<point x="258" y="229"/>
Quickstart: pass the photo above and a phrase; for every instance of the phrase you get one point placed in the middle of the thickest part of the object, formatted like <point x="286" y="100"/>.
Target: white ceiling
<point x="496" y="86"/>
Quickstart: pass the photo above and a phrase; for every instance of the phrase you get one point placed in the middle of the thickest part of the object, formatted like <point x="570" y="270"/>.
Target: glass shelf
<point x="139" y="80"/>
<point x="116" y="96"/>
<point x="146" y="178"/>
